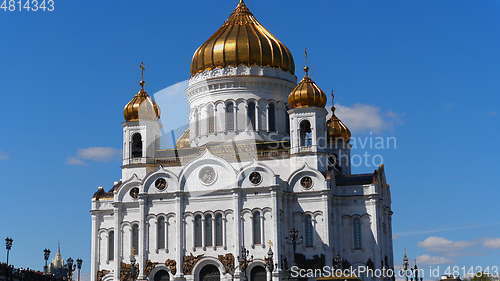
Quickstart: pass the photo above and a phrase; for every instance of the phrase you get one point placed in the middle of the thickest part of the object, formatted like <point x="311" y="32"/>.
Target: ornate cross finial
<point x="306" y="58"/>
<point x="334" y="91"/>
<point x="142" y="67"/>
<point x="270" y="243"/>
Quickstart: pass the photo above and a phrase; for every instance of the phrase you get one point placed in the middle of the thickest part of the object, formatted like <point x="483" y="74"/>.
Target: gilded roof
<point x="183" y="140"/>
<point x="141" y="107"/>
<point x="307" y="94"/>
<point x="336" y="128"/>
<point x="242" y="40"/>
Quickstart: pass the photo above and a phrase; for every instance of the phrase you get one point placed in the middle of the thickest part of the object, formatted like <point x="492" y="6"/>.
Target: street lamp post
<point x="70" y="268"/>
<point x="270" y="263"/>
<point x="132" y="268"/>
<point x="8" y="246"/>
<point x="294" y="239"/>
<point x="46" y="255"/>
<point x="244" y="261"/>
<point x="79" y="263"/>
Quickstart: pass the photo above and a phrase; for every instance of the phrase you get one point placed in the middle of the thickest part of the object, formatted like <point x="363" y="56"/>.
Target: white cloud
<point x="364" y="117"/>
<point x="96" y="153"/>
<point x="4" y="156"/>
<point x="492" y="243"/>
<point x="444" y="246"/>
<point x="432" y="260"/>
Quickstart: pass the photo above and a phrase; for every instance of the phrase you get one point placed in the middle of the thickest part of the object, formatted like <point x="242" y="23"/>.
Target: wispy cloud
<point x="4" y="156"/>
<point x="366" y="118"/>
<point x="445" y="246"/>
<point x="492" y="243"/>
<point x="433" y="260"/>
<point x="95" y="154"/>
<point x="443" y="229"/>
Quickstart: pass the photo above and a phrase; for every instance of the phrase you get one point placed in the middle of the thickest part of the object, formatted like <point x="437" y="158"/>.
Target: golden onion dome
<point x="307" y="94"/>
<point x="142" y="107"/>
<point x="242" y="40"/>
<point x="336" y="129"/>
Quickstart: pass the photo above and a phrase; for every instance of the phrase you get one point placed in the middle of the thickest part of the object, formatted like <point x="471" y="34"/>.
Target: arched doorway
<point x="258" y="273"/>
<point x="209" y="273"/>
<point x="162" y="275"/>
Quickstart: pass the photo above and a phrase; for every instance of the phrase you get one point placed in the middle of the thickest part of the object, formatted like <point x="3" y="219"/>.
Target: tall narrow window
<point x="229" y="116"/>
<point x="211" y="119"/>
<point x="218" y="230"/>
<point x="256" y="228"/>
<point x="135" y="240"/>
<point x="251" y="115"/>
<point x="271" y="118"/>
<point x="356" y="225"/>
<point x="208" y="230"/>
<point x="308" y="230"/>
<point x="160" y="234"/>
<point x="305" y="134"/>
<point x="136" y="145"/>
<point x="197" y="231"/>
<point x="111" y="245"/>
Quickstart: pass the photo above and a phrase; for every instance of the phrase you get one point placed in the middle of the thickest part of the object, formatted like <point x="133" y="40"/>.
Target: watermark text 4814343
<point x="27" y="5"/>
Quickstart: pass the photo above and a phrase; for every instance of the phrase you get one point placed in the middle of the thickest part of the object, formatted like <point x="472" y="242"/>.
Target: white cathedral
<point x="260" y="181"/>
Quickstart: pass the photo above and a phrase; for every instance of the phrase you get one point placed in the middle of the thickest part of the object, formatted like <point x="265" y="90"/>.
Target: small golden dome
<point x="141" y="107"/>
<point x="307" y="94"/>
<point x="183" y="140"/>
<point x="336" y="129"/>
<point x="242" y="40"/>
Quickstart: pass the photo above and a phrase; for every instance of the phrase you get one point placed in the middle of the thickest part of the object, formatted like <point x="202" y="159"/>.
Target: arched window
<point x="305" y="134"/>
<point x="308" y="230"/>
<point x="197" y="231"/>
<point x="136" y="145"/>
<point x="160" y="233"/>
<point x="229" y="116"/>
<point x="135" y="240"/>
<point x="271" y="117"/>
<point x="208" y="230"/>
<point x="218" y="230"/>
<point x="256" y="228"/>
<point x="251" y="115"/>
<point x="111" y="245"/>
<point x="211" y="119"/>
<point x="356" y="226"/>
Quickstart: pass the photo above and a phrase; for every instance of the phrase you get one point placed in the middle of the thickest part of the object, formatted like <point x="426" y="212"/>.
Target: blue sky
<point x="428" y="70"/>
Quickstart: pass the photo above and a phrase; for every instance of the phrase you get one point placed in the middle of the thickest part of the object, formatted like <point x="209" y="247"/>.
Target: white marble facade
<point x="167" y="206"/>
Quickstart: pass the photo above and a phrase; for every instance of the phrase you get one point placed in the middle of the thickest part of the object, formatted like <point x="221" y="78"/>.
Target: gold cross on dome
<point x="142" y="67"/>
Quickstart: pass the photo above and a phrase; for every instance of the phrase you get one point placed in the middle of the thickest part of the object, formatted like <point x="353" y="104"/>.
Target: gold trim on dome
<point x="242" y="40"/>
<point x="142" y="106"/>
<point x="183" y="140"/>
<point x="307" y="93"/>
<point x="335" y="127"/>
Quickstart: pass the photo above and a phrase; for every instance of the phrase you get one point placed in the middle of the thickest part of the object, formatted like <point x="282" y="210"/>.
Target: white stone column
<point x="326" y="227"/>
<point x="167" y="229"/>
<point x="237" y="228"/>
<point x="262" y="230"/>
<point x="179" y="218"/>
<point x="276" y="207"/>
<point x="142" y="237"/>
<point x="118" y="238"/>
<point x="213" y="232"/>
<point x="235" y="114"/>
<point x="203" y="245"/>
<point x="94" y="251"/>
<point x="224" y="221"/>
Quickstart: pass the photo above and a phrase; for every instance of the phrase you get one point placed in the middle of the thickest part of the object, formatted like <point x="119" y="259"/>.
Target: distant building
<point x="57" y="266"/>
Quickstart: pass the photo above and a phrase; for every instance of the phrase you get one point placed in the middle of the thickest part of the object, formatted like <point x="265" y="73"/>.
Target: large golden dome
<point x="142" y="107"/>
<point x="307" y="94"/>
<point x="242" y="40"/>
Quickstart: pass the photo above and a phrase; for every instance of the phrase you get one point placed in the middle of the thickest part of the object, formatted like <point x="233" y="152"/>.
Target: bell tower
<point x="307" y="116"/>
<point x="141" y="129"/>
